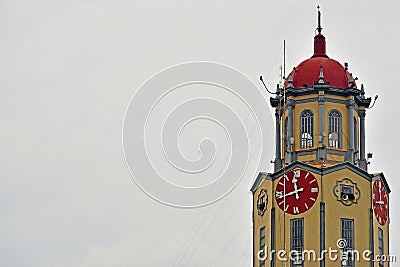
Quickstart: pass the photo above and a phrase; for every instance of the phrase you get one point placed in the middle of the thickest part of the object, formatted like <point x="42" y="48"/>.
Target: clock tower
<point x="320" y="206"/>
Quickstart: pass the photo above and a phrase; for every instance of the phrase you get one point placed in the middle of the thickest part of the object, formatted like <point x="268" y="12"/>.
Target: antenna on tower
<point x="284" y="58"/>
<point x="282" y="77"/>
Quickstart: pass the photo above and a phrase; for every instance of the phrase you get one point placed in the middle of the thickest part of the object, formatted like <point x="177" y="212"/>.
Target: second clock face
<point x="296" y="192"/>
<point x="380" y="202"/>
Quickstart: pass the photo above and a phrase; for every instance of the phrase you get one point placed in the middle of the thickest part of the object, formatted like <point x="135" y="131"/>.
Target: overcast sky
<point x="68" y="70"/>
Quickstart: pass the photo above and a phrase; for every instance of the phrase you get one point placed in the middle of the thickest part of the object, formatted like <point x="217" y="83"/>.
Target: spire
<point x="321" y="74"/>
<point x="319" y="21"/>
<point x="319" y="40"/>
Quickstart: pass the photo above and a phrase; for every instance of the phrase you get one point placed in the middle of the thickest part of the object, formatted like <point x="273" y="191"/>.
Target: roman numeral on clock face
<point x="295" y="210"/>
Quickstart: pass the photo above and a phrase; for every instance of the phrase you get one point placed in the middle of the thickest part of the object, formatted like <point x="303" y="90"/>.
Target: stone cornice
<point x="319" y="171"/>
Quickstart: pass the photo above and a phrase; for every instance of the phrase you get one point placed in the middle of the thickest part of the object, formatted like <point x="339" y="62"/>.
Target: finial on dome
<point x="321" y="74"/>
<point x="319" y="20"/>
<point x="351" y="81"/>
<point x="362" y="91"/>
<point x="319" y="40"/>
<point x="290" y="81"/>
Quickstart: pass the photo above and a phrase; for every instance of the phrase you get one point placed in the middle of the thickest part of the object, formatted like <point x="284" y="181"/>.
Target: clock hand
<point x="294" y="181"/>
<point x="380" y="196"/>
<point x="380" y="203"/>
<point x="291" y="193"/>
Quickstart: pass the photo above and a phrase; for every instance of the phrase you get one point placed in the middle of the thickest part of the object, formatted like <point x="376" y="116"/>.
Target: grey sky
<point x="67" y="72"/>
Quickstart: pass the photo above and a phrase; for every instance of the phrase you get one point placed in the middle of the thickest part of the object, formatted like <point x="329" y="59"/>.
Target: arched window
<point x="307" y="129"/>
<point x="335" y="129"/>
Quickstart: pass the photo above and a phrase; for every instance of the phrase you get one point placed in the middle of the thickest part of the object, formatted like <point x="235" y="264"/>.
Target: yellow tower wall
<point x="334" y="212"/>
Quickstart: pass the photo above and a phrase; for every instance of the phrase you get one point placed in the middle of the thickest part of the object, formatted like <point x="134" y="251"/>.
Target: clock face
<point x="380" y="202"/>
<point x="296" y="192"/>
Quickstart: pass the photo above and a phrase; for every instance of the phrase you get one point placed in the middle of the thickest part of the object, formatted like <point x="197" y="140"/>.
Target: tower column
<point x="278" y="157"/>
<point x="273" y="236"/>
<point x="351" y="130"/>
<point x="322" y="231"/>
<point x="321" y="121"/>
<point x="290" y="140"/>
<point x="363" y="161"/>
<point x="371" y="236"/>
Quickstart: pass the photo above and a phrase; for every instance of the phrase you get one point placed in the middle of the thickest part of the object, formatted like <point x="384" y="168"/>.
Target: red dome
<point x="308" y="71"/>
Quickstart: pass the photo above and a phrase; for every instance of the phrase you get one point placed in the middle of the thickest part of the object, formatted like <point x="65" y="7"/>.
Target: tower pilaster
<point x="363" y="162"/>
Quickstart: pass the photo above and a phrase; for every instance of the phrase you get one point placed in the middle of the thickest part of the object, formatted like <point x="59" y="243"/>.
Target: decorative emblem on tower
<point x="347" y="192"/>
<point x="296" y="191"/>
<point x="262" y="202"/>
